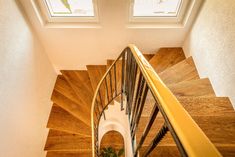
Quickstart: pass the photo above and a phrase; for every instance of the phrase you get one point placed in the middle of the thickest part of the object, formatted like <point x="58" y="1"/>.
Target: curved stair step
<point x="198" y="106"/>
<point x="80" y="82"/>
<point x="62" y="120"/>
<point x="166" y="57"/>
<point x="148" y="56"/>
<point x="63" y="141"/>
<point x="69" y="154"/>
<point x="96" y="72"/>
<point x="219" y="129"/>
<point x="182" y="71"/>
<point x="63" y="87"/>
<point x="200" y="87"/>
<point x="76" y="110"/>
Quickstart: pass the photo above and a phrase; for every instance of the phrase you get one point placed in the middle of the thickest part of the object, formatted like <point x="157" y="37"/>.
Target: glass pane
<point x="156" y="8"/>
<point x="80" y="8"/>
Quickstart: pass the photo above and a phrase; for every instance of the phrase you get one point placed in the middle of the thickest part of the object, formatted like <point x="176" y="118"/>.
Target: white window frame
<point x="46" y="19"/>
<point x="160" y="19"/>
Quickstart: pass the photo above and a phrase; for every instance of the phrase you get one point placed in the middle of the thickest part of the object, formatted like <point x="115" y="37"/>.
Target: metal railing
<point x="132" y="77"/>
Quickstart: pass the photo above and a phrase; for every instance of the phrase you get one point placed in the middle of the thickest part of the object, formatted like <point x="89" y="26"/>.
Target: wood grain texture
<point x="96" y="72"/>
<point x="62" y="141"/>
<point x="112" y="139"/>
<point x="148" y="56"/>
<point x="69" y="154"/>
<point x="80" y="82"/>
<point x="79" y="112"/>
<point x="200" y="87"/>
<point x="219" y="129"/>
<point x="166" y="57"/>
<point x="162" y="151"/>
<point x="62" y="120"/>
<point x="63" y="87"/>
<point x="182" y="71"/>
<point x="197" y="106"/>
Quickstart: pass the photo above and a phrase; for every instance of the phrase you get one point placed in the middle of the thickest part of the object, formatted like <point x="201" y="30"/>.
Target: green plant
<point x="111" y="152"/>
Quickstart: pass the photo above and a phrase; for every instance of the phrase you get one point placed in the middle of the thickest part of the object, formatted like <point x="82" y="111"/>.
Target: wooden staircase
<point x="69" y="121"/>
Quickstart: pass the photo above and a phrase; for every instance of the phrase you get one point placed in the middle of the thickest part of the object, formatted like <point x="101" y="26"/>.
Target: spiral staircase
<point x="69" y="122"/>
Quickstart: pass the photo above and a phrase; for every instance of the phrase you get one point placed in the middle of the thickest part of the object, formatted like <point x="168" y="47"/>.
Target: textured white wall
<point x="211" y="42"/>
<point x="26" y="82"/>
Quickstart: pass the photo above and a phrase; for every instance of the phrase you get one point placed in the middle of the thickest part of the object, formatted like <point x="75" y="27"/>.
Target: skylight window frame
<point x="178" y="18"/>
<point x="67" y="19"/>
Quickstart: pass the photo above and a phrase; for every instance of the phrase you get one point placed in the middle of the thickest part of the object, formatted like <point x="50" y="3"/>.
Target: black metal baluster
<point x="137" y="119"/>
<point x="107" y="91"/>
<point x="115" y="79"/>
<point x="102" y="104"/>
<point x="123" y="77"/>
<point x="111" y="86"/>
<point x="138" y="98"/>
<point x="132" y="85"/>
<point x="156" y="140"/>
<point x="153" y="116"/>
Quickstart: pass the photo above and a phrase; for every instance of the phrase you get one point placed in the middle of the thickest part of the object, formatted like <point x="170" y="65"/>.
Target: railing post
<point x="123" y="77"/>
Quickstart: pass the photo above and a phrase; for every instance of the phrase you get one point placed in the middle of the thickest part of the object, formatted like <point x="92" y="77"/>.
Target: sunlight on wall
<point x="212" y="45"/>
<point x="26" y="83"/>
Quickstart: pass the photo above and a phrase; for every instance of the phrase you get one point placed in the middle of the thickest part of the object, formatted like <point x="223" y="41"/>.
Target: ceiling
<point x="74" y="47"/>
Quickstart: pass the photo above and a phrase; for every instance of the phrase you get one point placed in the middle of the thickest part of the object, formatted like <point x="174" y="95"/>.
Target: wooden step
<point x="80" y="82"/>
<point x="69" y="154"/>
<point x="162" y="151"/>
<point x="112" y="139"/>
<point x="166" y="57"/>
<point x="148" y="56"/>
<point x="76" y="110"/>
<point x="62" y="120"/>
<point x="200" y="87"/>
<point x="96" y="72"/>
<point x="63" y="87"/>
<point x="62" y="141"/>
<point x="182" y="71"/>
<point x="219" y="129"/>
<point x="198" y="106"/>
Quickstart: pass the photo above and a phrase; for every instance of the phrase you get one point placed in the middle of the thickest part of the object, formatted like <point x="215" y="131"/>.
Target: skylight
<point x="70" y="8"/>
<point x="156" y="8"/>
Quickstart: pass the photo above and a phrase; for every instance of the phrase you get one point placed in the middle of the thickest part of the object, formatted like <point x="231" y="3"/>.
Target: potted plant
<point x="111" y="152"/>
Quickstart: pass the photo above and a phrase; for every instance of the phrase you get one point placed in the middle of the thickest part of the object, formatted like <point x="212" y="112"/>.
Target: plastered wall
<point x="26" y="82"/>
<point x="211" y="42"/>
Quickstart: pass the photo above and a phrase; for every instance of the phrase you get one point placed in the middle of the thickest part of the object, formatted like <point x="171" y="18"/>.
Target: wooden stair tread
<point x="80" y="82"/>
<point x="166" y="57"/>
<point x="148" y="56"/>
<point x="63" y="87"/>
<point x="198" y="106"/>
<point x="69" y="154"/>
<point x="79" y="112"/>
<point x="62" y="141"/>
<point x="182" y="71"/>
<point x="96" y="72"/>
<point x="200" y="87"/>
<point x="219" y="129"/>
<point x="162" y="151"/>
<point x="172" y="151"/>
<point x="62" y="120"/>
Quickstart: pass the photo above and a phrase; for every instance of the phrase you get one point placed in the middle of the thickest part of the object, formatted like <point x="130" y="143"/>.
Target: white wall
<point x="26" y="82"/>
<point x="212" y="45"/>
<point x="74" y="48"/>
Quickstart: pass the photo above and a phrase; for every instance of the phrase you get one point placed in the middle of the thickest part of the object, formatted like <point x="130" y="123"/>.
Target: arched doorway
<point x="113" y="140"/>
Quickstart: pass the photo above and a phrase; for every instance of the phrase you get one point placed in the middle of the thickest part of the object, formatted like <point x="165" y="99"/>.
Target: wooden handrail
<point x="192" y="138"/>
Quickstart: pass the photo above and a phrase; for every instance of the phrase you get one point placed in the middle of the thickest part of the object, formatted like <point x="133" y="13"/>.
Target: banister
<point x="192" y="138"/>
